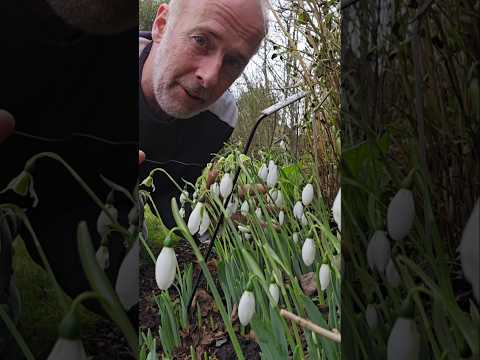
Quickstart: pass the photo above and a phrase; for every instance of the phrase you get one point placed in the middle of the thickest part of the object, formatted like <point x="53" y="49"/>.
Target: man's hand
<point x="141" y="156"/>
<point x="7" y="125"/>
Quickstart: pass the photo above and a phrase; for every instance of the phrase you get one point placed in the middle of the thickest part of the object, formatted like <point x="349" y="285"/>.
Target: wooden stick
<point x="334" y="336"/>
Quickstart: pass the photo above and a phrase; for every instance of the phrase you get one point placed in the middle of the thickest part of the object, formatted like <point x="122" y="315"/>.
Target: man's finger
<point x="7" y="125"/>
<point x="141" y="156"/>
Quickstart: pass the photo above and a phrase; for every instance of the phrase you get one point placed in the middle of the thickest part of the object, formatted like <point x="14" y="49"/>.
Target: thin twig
<point x="307" y="324"/>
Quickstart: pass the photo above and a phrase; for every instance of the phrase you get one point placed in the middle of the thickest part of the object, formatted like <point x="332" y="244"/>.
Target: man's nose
<point x="208" y="71"/>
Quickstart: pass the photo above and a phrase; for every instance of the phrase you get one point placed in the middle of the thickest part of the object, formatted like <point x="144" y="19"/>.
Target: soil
<point x="211" y="336"/>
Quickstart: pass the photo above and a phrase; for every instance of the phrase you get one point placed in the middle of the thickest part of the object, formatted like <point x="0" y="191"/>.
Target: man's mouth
<point x="192" y="95"/>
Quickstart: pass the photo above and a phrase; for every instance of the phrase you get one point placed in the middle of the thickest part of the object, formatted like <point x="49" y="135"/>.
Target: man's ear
<point x="160" y="22"/>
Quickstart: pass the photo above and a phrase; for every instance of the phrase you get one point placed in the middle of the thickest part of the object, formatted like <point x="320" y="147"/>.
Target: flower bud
<point x="104" y="222"/>
<point x="298" y="210"/>
<point x="258" y="212"/>
<point x="246" y="307"/>
<point x="183" y="197"/>
<point x="307" y="194"/>
<point x="371" y="315"/>
<point x="279" y="202"/>
<point x="165" y="268"/>
<point x="195" y="219"/>
<point x="103" y="257"/>
<point x="378" y="251"/>
<point x="400" y="214"/>
<point x="404" y="340"/>
<point x="470" y="251"/>
<point x="226" y="185"/>
<point x="245" y="208"/>
<point x="127" y="285"/>
<point x="308" y="251"/>
<point x="205" y="223"/>
<point x="272" y="176"/>
<point x="215" y="189"/>
<point x="281" y="217"/>
<point x="324" y="276"/>
<point x="275" y="292"/>
<point x="263" y="172"/>
<point x="337" y="209"/>
<point x="392" y="275"/>
<point x="304" y="220"/>
<point x="295" y="237"/>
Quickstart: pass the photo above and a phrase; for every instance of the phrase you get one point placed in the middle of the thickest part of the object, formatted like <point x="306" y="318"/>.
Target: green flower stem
<point x="16" y="334"/>
<point x="20" y="213"/>
<point x="82" y="183"/>
<point x="168" y="175"/>
<point x="226" y="319"/>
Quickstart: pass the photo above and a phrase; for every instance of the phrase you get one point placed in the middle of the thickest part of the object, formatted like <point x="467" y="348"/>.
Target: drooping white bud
<point x="295" y="237"/>
<point x="205" y="222"/>
<point x="308" y="251"/>
<point x="245" y="208"/>
<point x="275" y="292"/>
<point x="307" y="194"/>
<point x="263" y="172"/>
<point x="281" y="217"/>
<point x="232" y="205"/>
<point x="371" y="316"/>
<point x="226" y="185"/>
<point x="298" y="210"/>
<point x="104" y="222"/>
<point x="195" y="219"/>
<point x="392" y="275"/>
<point x="279" y="202"/>
<point x="246" y="307"/>
<point x="470" y="251"/>
<point x="404" y="340"/>
<point x="400" y="214"/>
<point x="68" y="349"/>
<point x="378" y="251"/>
<point x="324" y="276"/>
<point x="272" y="176"/>
<point x="337" y="209"/>
<point x="165" y="268"/>
<point x="127" y="285"/>
<point x="258" y="212"/>
<point x="304" y="220"/>
<point x="103" y="257"/>
<point x="215" y="189"/>
<point x="183" y="197"/>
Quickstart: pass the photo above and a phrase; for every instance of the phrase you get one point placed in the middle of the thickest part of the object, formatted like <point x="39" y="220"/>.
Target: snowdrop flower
<point x="324" y="276"/>
<point x="104" y="222"/>
<point x="205" y="223"/>
<point x="127" y="284"/>
<point x="246" y="306"/>
<point x="400" y="214"/>
<point x="470" y="251"/>
<point x="392" y="275"/>
<point x="272" y="176"/>
<point x="295" y="237"/>
<point x="103" y="257"/>
<point x="195" y="219"/>
<point x="298" y="210"/>
<point x="273" y="195"/>
<point x="183" y="197"/>
<point x="404" y="340"/>
<point x="263" y="172"/>
<point x="69" y="344"/>
<point x="371" y="316"/>
<point x="245" y="208"/>
<point x="378" y="251"/>
<point x="182" y="212"/>
<point x="281" y="217"/>
<point x="232" y="206"/>
<point x="307" y="194"/>
<point x="308" y="251"/>
<point x="304" y="220"/>
<point x="226" y="185"/>
<point x="337" y="209"/>
<point x="243" y="229"/>
<point x="275" y="292"/>
<point x="258" y="212"/>
<point x="215" y="189"/>
<point x="279" y="202"/>
<point x="165" y="266"/>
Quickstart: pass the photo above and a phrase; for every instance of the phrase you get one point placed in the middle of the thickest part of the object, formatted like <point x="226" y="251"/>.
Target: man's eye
<point x="200" y="40"/>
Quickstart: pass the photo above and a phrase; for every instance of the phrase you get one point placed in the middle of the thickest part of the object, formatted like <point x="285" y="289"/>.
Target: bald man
<point x="194" y="53"/>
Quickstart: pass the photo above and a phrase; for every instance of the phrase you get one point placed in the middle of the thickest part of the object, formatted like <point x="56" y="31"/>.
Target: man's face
<point x="198" y="57"/>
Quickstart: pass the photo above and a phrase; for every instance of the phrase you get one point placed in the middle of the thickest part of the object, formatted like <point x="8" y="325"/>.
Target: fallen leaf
<point x="308" y="284"/>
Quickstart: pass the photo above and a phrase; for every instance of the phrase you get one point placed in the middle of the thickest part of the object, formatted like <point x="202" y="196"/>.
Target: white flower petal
<point x="68" y="349"/>
<point x="308" y="251"/>
<point x="307" y="194"/>
<point x="400" y="214"/>
<point x="246" y="307"/>
<point x="324" y="276"/>
<point x="165" y="268"/>
<point x="404" y="341"/>
<point x="127" y="284"/>
<point x="337" y="209"/>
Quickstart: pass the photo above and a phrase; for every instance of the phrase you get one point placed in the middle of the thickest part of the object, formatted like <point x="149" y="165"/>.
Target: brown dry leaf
<point x="251" y="336"/>
<point x="207" y="339"/>
<point x="307" y="282"/>
<point x="212" y="265"/>
<point x="234" y="315"/>
<point x="204" y="300"/>
<point x="251" y="189"/>
<point x="212" y="176"/>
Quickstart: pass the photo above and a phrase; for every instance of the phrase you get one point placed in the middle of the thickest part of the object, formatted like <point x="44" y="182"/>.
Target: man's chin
<point x="179" y="112"/>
